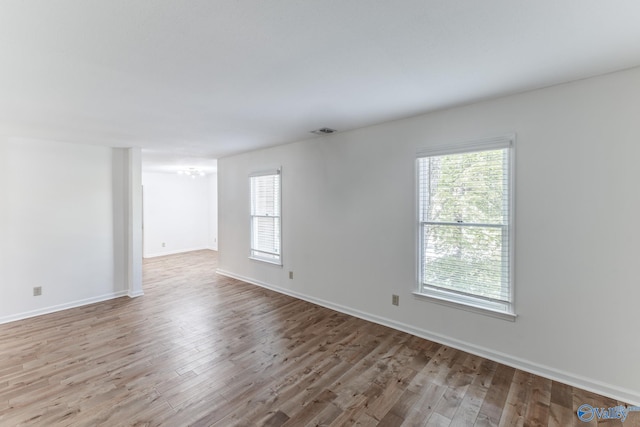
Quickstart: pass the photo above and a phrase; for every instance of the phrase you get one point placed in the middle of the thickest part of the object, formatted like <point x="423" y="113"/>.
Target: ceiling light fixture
<point x="192" y="172"/>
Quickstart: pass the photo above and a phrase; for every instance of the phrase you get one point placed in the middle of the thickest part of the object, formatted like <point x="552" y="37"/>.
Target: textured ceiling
<point x="205" y="79"/>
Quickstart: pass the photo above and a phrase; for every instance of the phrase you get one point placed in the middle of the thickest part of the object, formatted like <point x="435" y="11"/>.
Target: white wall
<point x="127" y="184"/>
<point x="58" y="226"/>
<point x="349" y="227"/>
<point x="213" y="211"/>
<point x="178" y="213"/>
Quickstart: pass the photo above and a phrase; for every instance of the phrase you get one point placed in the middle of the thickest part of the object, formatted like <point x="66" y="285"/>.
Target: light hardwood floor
<point x="201" y="349"/>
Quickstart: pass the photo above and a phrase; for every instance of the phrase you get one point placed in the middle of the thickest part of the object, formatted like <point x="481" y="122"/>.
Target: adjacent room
<point x="319" y="213"/>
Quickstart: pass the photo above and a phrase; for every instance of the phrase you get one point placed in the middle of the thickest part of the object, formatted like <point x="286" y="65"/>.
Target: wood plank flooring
<point x="205" y="350"/>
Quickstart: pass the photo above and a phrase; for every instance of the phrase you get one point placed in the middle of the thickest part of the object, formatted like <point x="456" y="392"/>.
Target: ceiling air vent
<point x="323" y="131"/>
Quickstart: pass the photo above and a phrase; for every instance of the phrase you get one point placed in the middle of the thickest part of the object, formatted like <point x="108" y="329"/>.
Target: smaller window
<point x="265" y="217"/>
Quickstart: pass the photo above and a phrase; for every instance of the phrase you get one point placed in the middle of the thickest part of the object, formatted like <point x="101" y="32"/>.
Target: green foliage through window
<point x="464" y="221"/>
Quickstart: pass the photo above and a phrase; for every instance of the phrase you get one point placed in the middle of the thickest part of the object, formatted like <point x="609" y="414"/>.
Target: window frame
<point x="254" y="253"/>
<point x="502" y="310"/>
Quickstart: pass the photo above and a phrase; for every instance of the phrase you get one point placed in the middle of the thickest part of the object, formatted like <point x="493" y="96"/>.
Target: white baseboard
<point x="60" y="307"/>
<point x="179" y="251"/>
<point x="617" y="393"/>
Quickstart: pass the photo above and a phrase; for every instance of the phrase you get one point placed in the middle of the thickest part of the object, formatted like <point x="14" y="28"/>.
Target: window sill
<point x="266" y="261"/>
<point x="467" y="304"/>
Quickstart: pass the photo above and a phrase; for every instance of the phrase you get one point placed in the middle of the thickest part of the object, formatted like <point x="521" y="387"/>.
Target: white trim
<point x="483" y="144"/>
<point x="512" y="222"/>
<point x="468" y="303"/>
<point x="61" y="307"/>
<point x="277" y="262"/>
<point x="609" y="390"/>
<point x="179" y="251"/>
<point x="266" y="172"/>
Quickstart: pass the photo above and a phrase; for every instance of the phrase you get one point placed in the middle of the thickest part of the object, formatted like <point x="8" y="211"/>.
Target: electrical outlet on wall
<point x="164" y="244"/>
<point x="395" y="299"/>
<point x="37" y="291"/>
<point x="291" y="275"/>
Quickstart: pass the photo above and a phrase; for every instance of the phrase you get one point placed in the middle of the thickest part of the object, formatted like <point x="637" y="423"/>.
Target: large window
<point x="265" y="216"/>
<point x="465" y="223"/>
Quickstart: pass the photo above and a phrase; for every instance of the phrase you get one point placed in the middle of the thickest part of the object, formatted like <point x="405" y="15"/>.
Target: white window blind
<point x="465" y="225"/>
<point x="265" y="216"/>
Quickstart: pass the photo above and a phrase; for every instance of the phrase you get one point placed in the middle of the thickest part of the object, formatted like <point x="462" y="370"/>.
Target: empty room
<point x="319" y="213"/>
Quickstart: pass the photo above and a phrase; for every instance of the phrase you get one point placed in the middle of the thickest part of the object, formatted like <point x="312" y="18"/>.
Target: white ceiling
<point x="201" y="79"/>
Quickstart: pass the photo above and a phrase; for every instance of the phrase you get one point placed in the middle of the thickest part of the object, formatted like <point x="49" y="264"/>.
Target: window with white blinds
<point x="265" y="216"/>
<point x="465" y="225"/>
